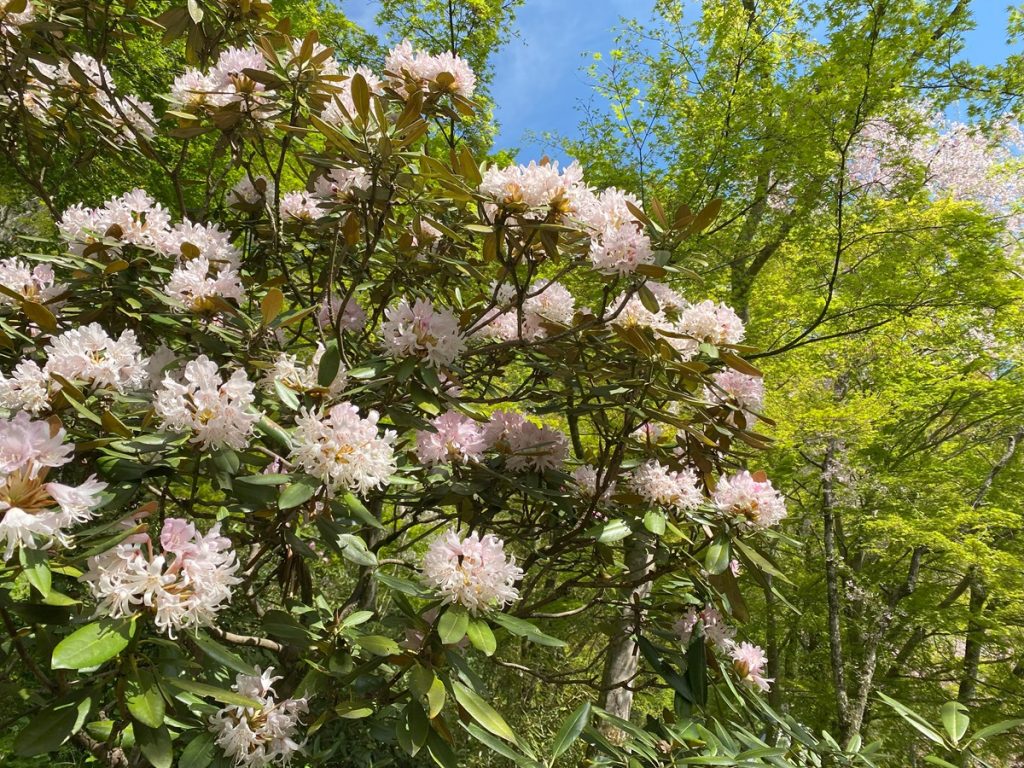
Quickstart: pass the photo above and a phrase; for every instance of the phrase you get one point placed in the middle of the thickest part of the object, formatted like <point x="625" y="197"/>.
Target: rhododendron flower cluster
<point x="216" y="411"/>
<point x="748" y="500"/>
<point x="224" y="83"/>
<point x="414" y="70"/>
<point x="453" y="439"/>
<point x="744" y="390"/>
<point x="545" y="303"/>
<point x="712" y="323"/>
<point x="198" y="285"/>
<point x="418" y="330"/>
<point x="256" y="738"/>
<point x="33" y="512"/>
<point x="710" y="622"/>
<point x="90" y="355"/>
<point x="749" y="661"/>
<point x="587" y="480"/>
<point x="350" y="317"/>
<point x="289" y="372"/>
<point x="184" y="585"/>
<point x="35" y="283"/>
<point x="527" y="446"/>
<point x="659" y="485"/>
<point x="473" y="572"/>
<point x="343" y="450"/>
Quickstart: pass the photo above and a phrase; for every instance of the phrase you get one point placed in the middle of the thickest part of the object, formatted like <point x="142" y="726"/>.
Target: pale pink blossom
<point x="352" y="318"/>
<point x="184" y="586"/>
<point x="537" y="185"/>
<point x="749" y="501"/>
<point x="290" y="372"/>
<point x="453" y="439"/>
<point x="587" y="481"/>
<point x="418" y="70"/>
<point x="35" y="513"/>
<point x="749" y="661"/>
<point x="712" y="323"/>
<point x="198" y="285"/>
<point x="421" y="331"/>
<point x="546" y="303"/>
<point x="300" y="206"/>
<point x="27" y="388"/>
<point x="342" y="183"/>
<point x="89" y="354"/>
<point x="473" y="572"/>
<point x="343" y="450"/>
<point x="35" y="283"/>
<point x="333" y="112"/>
<point x="743" y="390"/>
<point x="657" y="484"/>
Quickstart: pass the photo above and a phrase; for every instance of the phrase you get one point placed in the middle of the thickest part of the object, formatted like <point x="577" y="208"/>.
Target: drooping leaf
<point x="93" y="644"/>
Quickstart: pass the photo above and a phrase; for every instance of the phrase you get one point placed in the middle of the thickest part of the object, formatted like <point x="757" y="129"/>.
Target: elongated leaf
<point x="330" y="363"/>
<point x="36" y="569"/>
<point x="144" y="701"/>
<point x="482" y="712"/>
<point x="481" y="636"/>
<point x="522" y="628"/>
<point x="955" y="719"/>
<point x="199" y="752"/>
<point x="53" y="726"/>
<point x="213" y="692"/>
<point x="996" y="728"/>
<point x="93" y="644"/>
<point x="155" y="744"/>
<point x="271" y="305"/>
<point x="571" y="729"/>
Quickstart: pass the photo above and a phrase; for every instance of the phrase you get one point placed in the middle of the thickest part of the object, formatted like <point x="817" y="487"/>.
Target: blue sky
<point x="540" y="78"/>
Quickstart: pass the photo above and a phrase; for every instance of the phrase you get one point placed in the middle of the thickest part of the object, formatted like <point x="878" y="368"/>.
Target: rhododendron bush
<point x="314" y="435"/>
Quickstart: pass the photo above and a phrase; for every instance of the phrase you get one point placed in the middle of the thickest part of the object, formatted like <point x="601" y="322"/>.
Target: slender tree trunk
<point x="622" y="660"/>
<point x="975" y="641"/>
<point x="832" y="586"/>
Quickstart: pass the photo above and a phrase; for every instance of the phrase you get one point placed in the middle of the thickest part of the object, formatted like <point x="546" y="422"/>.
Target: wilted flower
<point x="473" y="572"/>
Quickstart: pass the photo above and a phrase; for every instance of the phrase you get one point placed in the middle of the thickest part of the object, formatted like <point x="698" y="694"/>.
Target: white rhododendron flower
<point x="454" y="439"/>
<point x="135" y="218"/>
<point x="526" y="446"/>
<point x="341" y="183"/>
<point x="586" y="480"/>
<point x="257" y="738"/>
<point x="421" y="331"/>
<point x="659" y="485"/>
<point x="744" y="390"/>
<point x="27" y="388"/>
<point x="343" y="450"/>
<point x="425" y="70"/>
<point x="300" y="206"/>
<point x="35" y="283"/>
<point x="33" y="512"/>
<point x="473" y="572"/>
<point x="545" y="302"/>
<point x="713" y="323"/>
<point x="537" y="185"/>
<point x="185" y="585"/>
<point x="223" y="84"/>
<point x="751" y="501"/>
<point x="749" y="661"/>
<point x="251" y="191"/>
<point x="218" y="412"/>
<point x="299" y="377"/>
<point x="89" y="354"/>
<point x="197" y="285"/>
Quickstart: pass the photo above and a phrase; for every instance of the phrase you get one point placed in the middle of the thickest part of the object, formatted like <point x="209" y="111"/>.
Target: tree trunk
<point x="834" y="599"/>
<point x="622" y="660"/>
<point x="975" y="641"/>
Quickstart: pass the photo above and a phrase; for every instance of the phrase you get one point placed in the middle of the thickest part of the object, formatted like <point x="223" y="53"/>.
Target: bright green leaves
<point x="452" y="626"/>
<point x="144" y="700"/>
<point x="570" y="730"/>
<point x="482" y="712"/>
<point x="93" y="644"/>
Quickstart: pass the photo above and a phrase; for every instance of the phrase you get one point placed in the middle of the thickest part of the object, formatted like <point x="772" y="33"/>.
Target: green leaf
<point x="481" y="636"/>
<point x="271" y="305"/>
<point x="354" y="548"/>
<point x="145" y="703"/>
<point x="939" y="761"/>
<point x="51" y="727"/>
<point x="358" y="510"/>
<point x="452" y="626"/>
<point x="413" y="728"/>
<point x="93" y="644"/>
<point x="522" y="628"/>
<point x="654" y="522"/>
<point x="213" y="692"/>
<point x="716" y="560"/>
<point x="482" y="712"/>
<point x="36" y="569"/>
<point x="378" y="645"/>
<point x="571" y="729"/>
<point x="914" y="719"/>
<point x="222" y="655"/>
<point x="499" y="746"/>
<point x="996" y="728"/>
<point x="198" y="753"/>
<point x="610" y="532"/>
<point x="299" y="492"/>
<point x="155" y="744"/>
<point x="955" y="719"/>
<point x="330" y="364"/>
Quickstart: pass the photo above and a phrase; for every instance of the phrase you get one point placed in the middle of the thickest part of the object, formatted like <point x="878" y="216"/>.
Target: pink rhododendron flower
<point x="750" y="501"/>
<point x="473" y="572"/>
